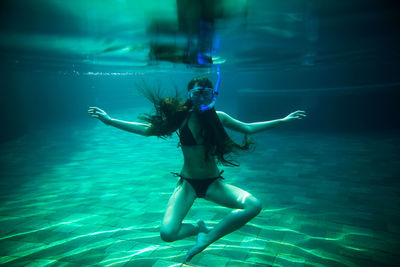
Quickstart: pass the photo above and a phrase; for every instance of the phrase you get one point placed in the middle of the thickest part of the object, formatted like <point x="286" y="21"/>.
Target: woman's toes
<point x="202" y="227"/>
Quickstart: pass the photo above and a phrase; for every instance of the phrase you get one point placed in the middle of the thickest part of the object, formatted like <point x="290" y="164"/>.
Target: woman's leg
<point x="172" y="228"/>
<point x="246" y="205"/>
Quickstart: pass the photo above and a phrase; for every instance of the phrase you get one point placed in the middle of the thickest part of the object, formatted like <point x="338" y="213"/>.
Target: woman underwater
<point x="204" y="143"/>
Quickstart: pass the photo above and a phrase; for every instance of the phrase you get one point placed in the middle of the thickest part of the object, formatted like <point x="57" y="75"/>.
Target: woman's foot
<point x="202" y="227"/>
<point x="201" y="244"/>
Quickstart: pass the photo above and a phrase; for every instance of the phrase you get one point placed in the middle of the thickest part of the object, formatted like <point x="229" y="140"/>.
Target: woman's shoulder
<point x="222" y="115"/>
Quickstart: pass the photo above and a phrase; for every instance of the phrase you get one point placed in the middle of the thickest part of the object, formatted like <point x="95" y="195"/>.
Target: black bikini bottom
<point x="200" y="186"/>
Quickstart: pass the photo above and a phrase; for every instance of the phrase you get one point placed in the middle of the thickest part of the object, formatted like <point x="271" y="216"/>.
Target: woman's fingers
<point x="95" y="110"/>
<point x="299" y="114"/>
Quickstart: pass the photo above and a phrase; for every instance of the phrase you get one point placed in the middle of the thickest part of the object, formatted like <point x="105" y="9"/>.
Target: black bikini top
<point x="186" y="136"/>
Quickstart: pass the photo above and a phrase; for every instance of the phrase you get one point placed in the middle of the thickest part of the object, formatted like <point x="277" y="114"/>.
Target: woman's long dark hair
<point x="171" y="112"/>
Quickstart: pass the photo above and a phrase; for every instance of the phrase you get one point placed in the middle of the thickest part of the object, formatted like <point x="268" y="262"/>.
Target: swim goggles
<point x="199" y="93"/>
<point x="206" y="97"/>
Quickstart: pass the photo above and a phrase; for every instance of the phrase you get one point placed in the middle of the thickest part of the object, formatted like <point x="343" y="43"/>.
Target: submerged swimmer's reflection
<point x="189" y="37"/>
<point x="204" y="143"/>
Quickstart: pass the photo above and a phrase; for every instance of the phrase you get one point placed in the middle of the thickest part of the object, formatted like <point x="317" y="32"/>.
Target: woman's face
<point x="200" y="95"/>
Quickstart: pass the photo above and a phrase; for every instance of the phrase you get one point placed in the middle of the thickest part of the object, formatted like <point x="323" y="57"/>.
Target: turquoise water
<point x="75" y="192"/>
<point x="93" y="195"/>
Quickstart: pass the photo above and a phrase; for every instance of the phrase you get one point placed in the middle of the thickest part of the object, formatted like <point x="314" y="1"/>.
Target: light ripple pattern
<point x="99" y="198"/>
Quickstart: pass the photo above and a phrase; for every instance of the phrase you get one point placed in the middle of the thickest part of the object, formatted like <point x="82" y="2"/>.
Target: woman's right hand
<point x="100" y="114"/>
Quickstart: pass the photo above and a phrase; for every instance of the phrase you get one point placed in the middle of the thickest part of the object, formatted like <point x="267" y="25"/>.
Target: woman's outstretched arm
<point x="133" y="127"/>
<point x="255" y="127"/>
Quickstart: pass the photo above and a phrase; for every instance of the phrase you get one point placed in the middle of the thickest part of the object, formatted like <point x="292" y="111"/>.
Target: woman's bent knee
<point x="167" y="234"/>
<point x="253" y="205"/>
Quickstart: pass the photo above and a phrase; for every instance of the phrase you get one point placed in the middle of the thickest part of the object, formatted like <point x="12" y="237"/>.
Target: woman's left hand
<point x="295" y="115"/>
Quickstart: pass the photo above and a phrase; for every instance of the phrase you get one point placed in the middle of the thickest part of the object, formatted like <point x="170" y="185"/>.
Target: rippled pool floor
<point x="94" y="195"/>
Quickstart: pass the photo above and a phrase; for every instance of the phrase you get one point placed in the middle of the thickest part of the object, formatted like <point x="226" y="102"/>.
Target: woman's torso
<point x="198" y="163"/>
